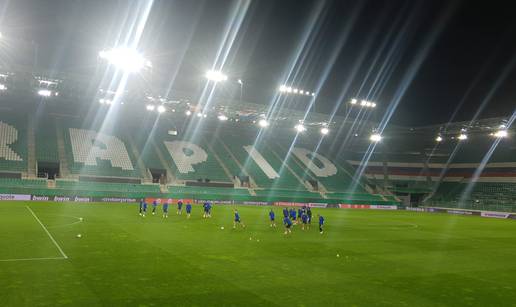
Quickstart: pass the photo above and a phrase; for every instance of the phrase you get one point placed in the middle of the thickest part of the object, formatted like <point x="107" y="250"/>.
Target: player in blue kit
<point x="309" y="213"/>
<point x="272" y="218"/>
<point x="144" y="211"/>
<point x="304" y="220"/>
<point x="165" y="209"/>
<point x="205" y="209"/>
<point x="188" y="210"/>
<point x="154" y="206"/>
<point x="285" y="212"/>
<point x="321" y="223"/>
<point x="299" y="214"/>
<point x="288" y="224"/>
<point x="141" y="207"/>
<point x="237" y="220"/>
<point x="293" y="214"/>
<point x="179" y="207"/>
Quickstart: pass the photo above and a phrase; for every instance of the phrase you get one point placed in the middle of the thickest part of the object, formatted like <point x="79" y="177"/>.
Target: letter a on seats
<point x="262" y="163"/>
<point x="88" y="146"/>
<point x="8" y="135"/>
<point x="323" y="168"/>
<point x="186" y="155"/>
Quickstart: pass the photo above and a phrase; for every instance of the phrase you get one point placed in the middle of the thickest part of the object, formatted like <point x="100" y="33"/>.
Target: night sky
<point x="434" y="61"/>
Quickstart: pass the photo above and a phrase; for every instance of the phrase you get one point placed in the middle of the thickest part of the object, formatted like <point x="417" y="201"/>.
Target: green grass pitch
<point x="386" y="258"/>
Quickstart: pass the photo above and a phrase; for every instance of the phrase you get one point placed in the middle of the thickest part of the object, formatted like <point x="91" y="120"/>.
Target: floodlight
<point x="368" y="104"/>
<point x="353" y="101"/>
<point x="45" y="93"/>
<point x="325" y="130"/>
<point x="150" y="107"/>
<point x="375" y="137"/>
<point x="214" y="75"/>
<point x="161" y="109"/>
<point x="222" y="117"/>
<point x="363" y="102"/>
<point x="463" y="136"/>
<point x="373" y="105"/>
<point x="289" y="89"/>
<point x="282" y="88"/>
<point x="439" y="138"/>
<point x="199" y="114"/>
<point x="500" y="134"/>
<point x="263" y="123"/>
<point x="300" y="128"/>
<point x="126" y="59"/>
<point x="3" y="87"/>
<point x="240" y="82"/>
<point x="188" y="113"/>
<point x="204" y="115"/>
<point x="313" y="93"/>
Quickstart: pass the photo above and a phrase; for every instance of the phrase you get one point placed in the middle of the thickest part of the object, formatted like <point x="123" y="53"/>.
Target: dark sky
<point x="425" y="58"/>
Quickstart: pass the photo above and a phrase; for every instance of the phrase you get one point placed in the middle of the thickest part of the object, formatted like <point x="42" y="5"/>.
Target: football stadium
<point x="242" y="153"/>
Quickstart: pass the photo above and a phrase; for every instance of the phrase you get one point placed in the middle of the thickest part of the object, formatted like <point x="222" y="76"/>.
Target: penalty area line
<point x="48" y="233"/>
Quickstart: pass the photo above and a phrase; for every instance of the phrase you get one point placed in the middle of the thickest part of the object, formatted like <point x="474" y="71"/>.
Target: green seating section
<point x="22" y="183"/>
<point x="284" y="193"/>
<point x="10" y="155"/>
<point x="200" y="191"/>
<point x="103" y="167"/>
<point x="209" y="169"/>
<point x="106" y="187"/>
<point x="356" y="197"/>
<point x="46" y="141"/>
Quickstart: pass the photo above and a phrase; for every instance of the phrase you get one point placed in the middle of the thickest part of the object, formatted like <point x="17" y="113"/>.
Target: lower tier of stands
<point x="101" y="190"/>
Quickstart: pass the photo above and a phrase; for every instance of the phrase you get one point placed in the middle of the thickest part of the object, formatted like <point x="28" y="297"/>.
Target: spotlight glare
<point x="313" y="94"/>
<point x="500" y="134"/>
<point x="375" y="137"/>
<point x="289" y="89"/>
<point x="161" y="109"/>
<point x="263" y="123"/>
<point x="216" y="76"/>
<point x="126" y="59"/>
<point x="3" y="87"/>
<point x="199" y="114"/>
<point x="222" y="117"/>
<point x="325" y="130"/>
<point x="439" y="138"/>
<point x="463" y="136"/>
<point x="353" y="101"/>
<point x="363" y="103"/>
<point x="282" y="88"/>
<point x="300" y="128"/>
<point x="373" y="105"/>
<point x="295" y="91"/>
<point x="45" y="93"/>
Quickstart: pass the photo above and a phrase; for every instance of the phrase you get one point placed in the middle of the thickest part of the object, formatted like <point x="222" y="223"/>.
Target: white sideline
<point x="30" y="259"/>
<point x="48" y="233"/>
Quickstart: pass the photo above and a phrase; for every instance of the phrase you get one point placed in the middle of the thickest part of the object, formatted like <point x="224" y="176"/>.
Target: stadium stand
<point x="46" y="141"/>
<point x="13" y="144"/>
<point x="97" y="154"/>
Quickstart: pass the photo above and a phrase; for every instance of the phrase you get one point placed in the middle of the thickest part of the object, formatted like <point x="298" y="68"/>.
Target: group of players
<point x="291" y="217"/>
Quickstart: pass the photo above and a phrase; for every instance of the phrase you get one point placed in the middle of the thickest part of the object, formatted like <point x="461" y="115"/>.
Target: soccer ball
<point x="221" y="227"/>
<point x="79" y="235"/>
<point x="80" y="219"/>
<point x="338" y="255"/>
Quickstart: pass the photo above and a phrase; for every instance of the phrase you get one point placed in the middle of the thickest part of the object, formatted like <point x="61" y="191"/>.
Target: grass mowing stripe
<point x="48" y="233"/>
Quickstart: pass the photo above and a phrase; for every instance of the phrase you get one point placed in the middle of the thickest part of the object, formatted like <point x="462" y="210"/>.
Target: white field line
<point x="48" y="233"/>
<point x="31" y="259"/>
